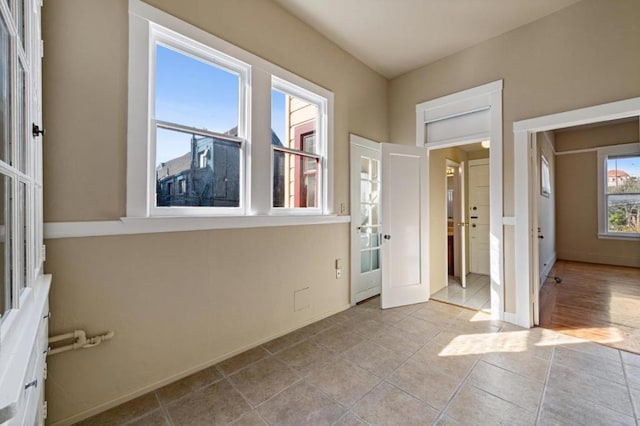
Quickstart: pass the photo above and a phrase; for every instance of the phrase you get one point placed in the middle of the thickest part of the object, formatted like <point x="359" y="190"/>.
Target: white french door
<point x="404" y="244"/>
<point x="366" y="278"/>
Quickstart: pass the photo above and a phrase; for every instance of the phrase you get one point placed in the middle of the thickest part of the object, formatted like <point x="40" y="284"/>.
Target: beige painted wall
<point x="177" y="301"/>
<point x="577" y="197"/>
<point x="438" y="213"/>
<point x="583" y="55"/>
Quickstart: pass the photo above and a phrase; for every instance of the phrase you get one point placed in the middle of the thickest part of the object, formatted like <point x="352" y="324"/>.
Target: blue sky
<point x="196" y="94"/>
<point x="631" y="165"/>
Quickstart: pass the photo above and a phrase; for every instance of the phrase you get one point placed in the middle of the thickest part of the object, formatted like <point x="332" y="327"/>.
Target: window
<point x="198" y="109"/>
<point x="619" y="191"/>
<point x="298" y="151"/>
<point x="202" y="139"/>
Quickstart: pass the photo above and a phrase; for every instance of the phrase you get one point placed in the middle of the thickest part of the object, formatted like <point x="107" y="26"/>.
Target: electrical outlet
<point x="338" y="273"/>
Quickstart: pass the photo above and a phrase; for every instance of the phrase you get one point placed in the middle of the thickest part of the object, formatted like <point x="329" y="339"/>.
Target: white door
<point x="366" y="277"/>
<point x="404" y="245"/>
<point x="461" y="227"/>
<point x="479" y="216"/>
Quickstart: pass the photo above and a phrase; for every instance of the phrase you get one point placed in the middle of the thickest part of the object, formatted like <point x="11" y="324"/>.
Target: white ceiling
<point x="396" y="36"/>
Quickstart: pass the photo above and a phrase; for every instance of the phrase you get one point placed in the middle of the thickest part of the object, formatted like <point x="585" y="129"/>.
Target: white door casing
<point x="462" y="225"/>
<point x="404" y="247"/>
<point x="475" y="114"/>
<point x="478" y="214"/>
<point x="366" y="278"/>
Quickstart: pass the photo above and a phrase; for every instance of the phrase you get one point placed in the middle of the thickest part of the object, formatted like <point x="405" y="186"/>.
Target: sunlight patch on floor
<point x="478" y="344"/>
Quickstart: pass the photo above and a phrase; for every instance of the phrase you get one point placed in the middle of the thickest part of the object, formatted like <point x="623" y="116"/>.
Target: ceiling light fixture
<point x="485" y="144"/>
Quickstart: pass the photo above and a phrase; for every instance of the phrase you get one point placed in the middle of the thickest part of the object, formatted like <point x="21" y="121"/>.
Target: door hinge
<point x="45" y="409"/>
<point x="41" y="48"/>
<point x="44" y="253"/>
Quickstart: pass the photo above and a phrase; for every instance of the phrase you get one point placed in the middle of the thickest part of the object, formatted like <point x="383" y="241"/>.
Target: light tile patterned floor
<point x="476" y="295"/>
<point x="431" y="363"/>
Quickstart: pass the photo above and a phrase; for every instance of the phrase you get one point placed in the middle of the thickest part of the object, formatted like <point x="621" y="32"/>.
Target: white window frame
<point x="603" y="155"/>
<point x="147" y="26"/>
<point x="321" y="104"/>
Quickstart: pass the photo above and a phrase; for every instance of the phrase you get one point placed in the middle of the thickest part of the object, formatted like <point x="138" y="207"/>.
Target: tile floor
<point x="430" y="363"/>
<point x="477" y="294"/>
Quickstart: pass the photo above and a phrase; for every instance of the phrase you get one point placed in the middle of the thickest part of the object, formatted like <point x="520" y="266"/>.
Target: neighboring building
<point x="208" y="175"/>
<point x="617" y="177"/>
<point x="301" y="186"/>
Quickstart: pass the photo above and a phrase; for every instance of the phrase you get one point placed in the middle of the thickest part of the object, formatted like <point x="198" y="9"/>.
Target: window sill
<point x="152" y="225"/>
<point x="624" y="237"/>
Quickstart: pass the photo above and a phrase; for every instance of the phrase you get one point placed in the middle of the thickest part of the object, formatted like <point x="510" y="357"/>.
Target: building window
<point x="298" y="148"/>
<point x="202" y="141"/>
<point x="619" y="197"/>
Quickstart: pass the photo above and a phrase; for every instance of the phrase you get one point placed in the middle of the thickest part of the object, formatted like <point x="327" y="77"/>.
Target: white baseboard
<point x="510" y="318"/>
<point x="547" y="269"/>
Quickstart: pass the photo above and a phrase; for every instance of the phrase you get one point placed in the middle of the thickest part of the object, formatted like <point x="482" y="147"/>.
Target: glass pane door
<point x="369" y="215"/>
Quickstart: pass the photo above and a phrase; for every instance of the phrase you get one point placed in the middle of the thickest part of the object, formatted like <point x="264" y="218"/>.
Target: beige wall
<point x="438" y="213"/>
<point x="177" y="301"/>
<point x="577" y="197"/>
<point x="583" y="55"/>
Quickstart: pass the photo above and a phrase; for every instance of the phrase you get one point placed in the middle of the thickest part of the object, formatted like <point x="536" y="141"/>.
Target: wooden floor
<point x="600" y="303"/>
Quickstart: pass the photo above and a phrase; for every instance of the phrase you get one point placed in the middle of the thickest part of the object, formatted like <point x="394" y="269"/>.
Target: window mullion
<point x="260" y="158"/>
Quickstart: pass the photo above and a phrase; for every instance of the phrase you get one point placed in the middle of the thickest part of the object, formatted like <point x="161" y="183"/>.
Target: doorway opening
<point x="591" y="291"/>
<point x="526" y="241"/>
<point x="459" y="177"/>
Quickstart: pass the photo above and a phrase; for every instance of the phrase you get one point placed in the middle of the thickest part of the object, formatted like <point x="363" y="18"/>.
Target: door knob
<point x="541" y="236"/>
<point x="473" y="225"/>
<point x="475" y="208"/>
<point x="36" y="130"/>
<point x="387" y="237"/>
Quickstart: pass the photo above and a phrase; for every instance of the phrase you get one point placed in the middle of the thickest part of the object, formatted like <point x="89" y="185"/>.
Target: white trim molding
<point x="130" y="225"/>
<point x="486" y="100"/>
<point x="526" y="241"/>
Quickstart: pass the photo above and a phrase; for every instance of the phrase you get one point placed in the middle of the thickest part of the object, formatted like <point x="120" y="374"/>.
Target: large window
<point x="619" y="198"/>
<point x="200" y="127"/>
<point x="204" y="140"/>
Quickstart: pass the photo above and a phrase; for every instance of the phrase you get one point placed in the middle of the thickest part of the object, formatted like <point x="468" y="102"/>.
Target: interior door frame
<point x="463" y="225"/>
<point x="480" y="98"/>
<point x="526" y="205"/>
<point x="457" y="218"/>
